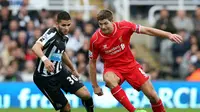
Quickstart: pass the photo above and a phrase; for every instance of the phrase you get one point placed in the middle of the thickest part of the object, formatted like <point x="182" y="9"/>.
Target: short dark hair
<point x="63" y="16"/>
<point x="105" y="14"/>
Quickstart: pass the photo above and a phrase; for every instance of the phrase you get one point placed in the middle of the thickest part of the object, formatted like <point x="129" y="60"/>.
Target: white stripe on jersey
<point x="45" y="37"/>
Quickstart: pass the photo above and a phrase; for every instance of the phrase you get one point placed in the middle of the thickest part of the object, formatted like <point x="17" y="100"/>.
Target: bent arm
<point x="37" y="49"/>
<point x="92" y="72"/>
<point x="154" y="32"/>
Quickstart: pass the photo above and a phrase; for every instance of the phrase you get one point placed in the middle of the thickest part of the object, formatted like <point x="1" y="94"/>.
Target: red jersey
<point x="114" y="48"/>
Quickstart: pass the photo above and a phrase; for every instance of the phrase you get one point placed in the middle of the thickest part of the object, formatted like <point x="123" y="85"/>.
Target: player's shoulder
<point x="50" y="32"/>
<point x="124" y="23"/>
<point x="95" y="35"/>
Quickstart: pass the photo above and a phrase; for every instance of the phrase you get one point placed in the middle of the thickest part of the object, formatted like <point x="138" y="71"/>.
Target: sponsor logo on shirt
<point x="115" y="50"/>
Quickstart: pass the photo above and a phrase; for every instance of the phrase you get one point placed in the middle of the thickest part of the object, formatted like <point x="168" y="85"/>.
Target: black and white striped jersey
<point x="54" y="45"/>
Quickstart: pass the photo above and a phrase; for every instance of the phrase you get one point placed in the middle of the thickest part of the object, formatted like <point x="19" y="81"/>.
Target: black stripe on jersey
<point x="48" y="43"/>
<point x="56" y="64"/>
<point x="46" y="54"/>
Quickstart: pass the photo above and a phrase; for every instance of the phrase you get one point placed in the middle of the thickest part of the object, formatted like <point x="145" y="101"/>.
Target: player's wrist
<point x="44" y="58"/>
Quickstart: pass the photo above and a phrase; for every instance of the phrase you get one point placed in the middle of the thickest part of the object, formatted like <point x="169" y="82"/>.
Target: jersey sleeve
<point x="133" y="27"/>
<point x="93" y="50"/>
<point x="44" y="39"/>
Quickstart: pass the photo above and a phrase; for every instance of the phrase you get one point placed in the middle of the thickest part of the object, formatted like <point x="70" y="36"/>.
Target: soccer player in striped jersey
<point x="112" y="43"/>
<point x="51" y="75"/>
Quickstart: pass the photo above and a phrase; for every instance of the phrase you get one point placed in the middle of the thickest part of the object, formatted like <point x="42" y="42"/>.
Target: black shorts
<point x="51" y="86"/>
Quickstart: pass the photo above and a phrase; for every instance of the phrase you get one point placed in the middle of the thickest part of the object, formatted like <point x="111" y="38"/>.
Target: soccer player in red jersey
<point x="112" y="43"/>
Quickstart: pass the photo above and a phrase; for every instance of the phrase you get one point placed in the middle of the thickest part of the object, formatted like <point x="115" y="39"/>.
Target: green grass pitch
<point x="96" y="110"/>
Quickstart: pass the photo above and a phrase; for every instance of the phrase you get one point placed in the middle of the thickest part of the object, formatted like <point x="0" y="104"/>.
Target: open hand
<point x="75" y="73"/>
<point x="176" y="38"/>
<point x="49" y="65"/>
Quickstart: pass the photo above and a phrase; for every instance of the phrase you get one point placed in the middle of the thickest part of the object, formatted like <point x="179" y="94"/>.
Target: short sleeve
<point x="43" y="40"/>
<point x="134" y="27"/>
<point x="93" y="50"/>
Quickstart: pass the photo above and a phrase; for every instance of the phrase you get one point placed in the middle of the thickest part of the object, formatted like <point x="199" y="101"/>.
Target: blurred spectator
<point x="6" y="53"/>
<point x="166" y="52"/>
<point x="88" y="30"/>
<point x="30" y="29"/>
<point x="21" y="40"/>
<point x="178" y="50"/>
<point x="25" y="3"/>
<point x="50" y="23"/>
<point x="84" y="49"/>
<point x="79" y="20"/>
<point x="188" y="58"/>
<point x="0" y="30"/>
<point x="164" y="23"/>
<point x="13" y="29"/>
<point x="27" y="74"/>
<point x="23" y="17"/>
<point x="93" y="19"/>
<point x="5" y="18"/>
<point x="197" y="63"/>
<point x="181" y="21"/>
<point x="12" y="73"/>
<point x="19" y="56"/>
<point x="84" y="75"/>
<point x="29" y="55"/>
<point x="197" y="22"/>
<point x="195" y="76"/>
<point x="4" y="3"/>
<point x="5" y="41"/>
<point x="43" y="16"/>
<point x="36" y="34"/>
<point x="76" y="41"/>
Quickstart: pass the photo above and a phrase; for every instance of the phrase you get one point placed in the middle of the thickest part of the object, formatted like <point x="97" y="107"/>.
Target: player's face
<point x="63" y="26"/>
<point x="106" y="26"/>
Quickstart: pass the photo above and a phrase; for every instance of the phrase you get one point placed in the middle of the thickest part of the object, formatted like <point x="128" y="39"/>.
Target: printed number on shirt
<point x="143" y="72"/>
<point x="71" y="79"/>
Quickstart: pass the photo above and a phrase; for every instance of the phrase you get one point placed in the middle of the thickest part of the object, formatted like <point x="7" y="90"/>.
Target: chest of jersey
<point x="115" y="44"/>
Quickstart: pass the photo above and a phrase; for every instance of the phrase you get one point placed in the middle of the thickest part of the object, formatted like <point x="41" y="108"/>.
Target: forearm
<point x="68" y="62"/>
<point x="92" y="73"/>
<point x="37" y="49"/>
<point x="155" y="32"/>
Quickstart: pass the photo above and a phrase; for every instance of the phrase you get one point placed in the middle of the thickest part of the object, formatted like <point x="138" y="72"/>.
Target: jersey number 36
<point x="71" y="79"/>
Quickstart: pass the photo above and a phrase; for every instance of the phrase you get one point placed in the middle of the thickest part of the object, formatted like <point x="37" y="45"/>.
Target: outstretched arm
<point x="160" y="33"/>
<point x="92" y="73"/>
<point x="96" y="88"/>
<point x="68" y="62"/>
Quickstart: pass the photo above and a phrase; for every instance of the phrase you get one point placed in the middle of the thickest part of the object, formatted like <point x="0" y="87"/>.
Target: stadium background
<point x="174" y="69"/>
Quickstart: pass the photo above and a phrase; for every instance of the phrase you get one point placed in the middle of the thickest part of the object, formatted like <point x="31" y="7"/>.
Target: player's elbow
<point x="33" y="48"/>
<point x="36" y="47"/>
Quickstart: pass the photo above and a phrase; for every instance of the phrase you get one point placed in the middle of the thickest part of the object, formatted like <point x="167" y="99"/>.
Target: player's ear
<point x="57" y="23"/>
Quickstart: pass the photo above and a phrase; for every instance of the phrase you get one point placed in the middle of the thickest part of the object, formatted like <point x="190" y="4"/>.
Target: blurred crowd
<point x="182" y="59"/>
<point x="19" y="32"/>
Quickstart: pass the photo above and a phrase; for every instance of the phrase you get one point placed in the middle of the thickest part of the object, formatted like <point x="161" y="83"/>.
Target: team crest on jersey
<point x="105" y="46"/>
